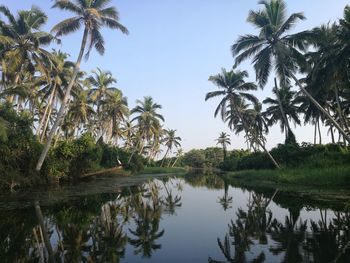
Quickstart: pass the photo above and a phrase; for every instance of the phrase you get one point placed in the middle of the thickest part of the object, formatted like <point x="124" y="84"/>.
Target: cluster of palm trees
<point x="320" y="56"/>
<point x="63" y="100"/>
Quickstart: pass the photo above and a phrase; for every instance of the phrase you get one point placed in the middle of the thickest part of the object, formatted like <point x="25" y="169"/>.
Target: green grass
<point x="326" y="176"/>
<point x="161" y="170"/>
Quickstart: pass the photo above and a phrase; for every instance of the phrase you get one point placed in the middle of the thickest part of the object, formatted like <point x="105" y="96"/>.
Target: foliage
<point x="18" y="153"/>
<point x="194" y="158"/>
<point x="294" y="155"/>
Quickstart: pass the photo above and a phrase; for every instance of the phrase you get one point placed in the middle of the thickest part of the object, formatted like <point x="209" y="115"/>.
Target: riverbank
<point x="333" y="177"/>
<point x="163" y="170"/>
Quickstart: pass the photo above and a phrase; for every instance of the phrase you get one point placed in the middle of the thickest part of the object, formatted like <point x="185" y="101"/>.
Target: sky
<point x="172" y="49"/>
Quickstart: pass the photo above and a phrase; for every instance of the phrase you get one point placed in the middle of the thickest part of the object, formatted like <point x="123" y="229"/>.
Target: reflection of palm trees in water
<point x="146" y="230"/>
<point x="289" y="239"/>
<point x="251" y="225"/>
<point x="109" y="238"/>
<point x="171" y="202"/>
<point x="330" y="241"/>
<point x="226" y="200"/>
<point x="327" y="241"/>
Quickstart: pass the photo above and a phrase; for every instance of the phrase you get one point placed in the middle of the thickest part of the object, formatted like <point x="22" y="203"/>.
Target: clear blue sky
<point x="172" y="49"/>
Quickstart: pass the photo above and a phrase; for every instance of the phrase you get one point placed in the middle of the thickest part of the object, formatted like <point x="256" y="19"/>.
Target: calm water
<point x="196" y="218"/>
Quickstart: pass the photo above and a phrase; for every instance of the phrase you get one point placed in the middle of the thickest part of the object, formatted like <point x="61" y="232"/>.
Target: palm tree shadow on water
<point x="256" y="236"/>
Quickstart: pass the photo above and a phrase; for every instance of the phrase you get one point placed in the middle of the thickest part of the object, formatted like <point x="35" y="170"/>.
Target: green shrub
<point x="195" y="158"/>
<point x="19" y="149"/>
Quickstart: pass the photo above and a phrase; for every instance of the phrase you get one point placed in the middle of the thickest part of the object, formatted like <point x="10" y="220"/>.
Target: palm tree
<point x="234" y="91"/>
<point x="148" y="119"/>
<point x="53" y="86"/>
<point x="170" y="140"/>
<point x="283" y="108"/>
<point x="101" y="82"/>
<point x="224" y="140"/>
<point x="128" y="133"/>
<point x="178" y="155"/>
<point x="93" y="14"/>
<point x="273" y="47"/>
<point x="22" y="41"/>
<point x="115" y="110"/>
<point x="80" y="110"/>
<point x="257" y="123"/>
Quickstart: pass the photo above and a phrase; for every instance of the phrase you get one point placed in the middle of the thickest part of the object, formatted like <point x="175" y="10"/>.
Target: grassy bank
<point x="163" y="170"/>
<point x="336" y="176"/>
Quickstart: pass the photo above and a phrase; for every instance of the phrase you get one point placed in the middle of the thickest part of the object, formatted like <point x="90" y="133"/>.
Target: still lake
<point x="184" y="218"/>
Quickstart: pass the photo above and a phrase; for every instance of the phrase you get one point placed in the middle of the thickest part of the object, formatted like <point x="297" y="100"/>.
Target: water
<point x="193" y="218"/>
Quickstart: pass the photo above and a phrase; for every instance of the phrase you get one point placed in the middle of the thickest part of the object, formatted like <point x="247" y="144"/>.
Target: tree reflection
<point x="289" y="238"/>
<point x="330" y="241"/>
<point x="295" y="240"/>
<point x="251" y="226"/>
<point x="226" y="200"/>
<point x="171" y="201"/>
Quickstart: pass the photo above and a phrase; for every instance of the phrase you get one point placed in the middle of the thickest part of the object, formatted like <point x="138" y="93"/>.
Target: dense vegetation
<point x="62" y="122"/>
<point x="321" y="97"/>
<point x="59" y="120"/>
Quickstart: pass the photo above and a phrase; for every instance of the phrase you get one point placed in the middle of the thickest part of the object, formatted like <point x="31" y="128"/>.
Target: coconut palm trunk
<point x="284" y="116"/>
<point x="319" y="131"/>
<point x="64" y="103"/>
<point x="175" y="161"/>
<point x="342" y="118"/>
<point x="166" y="154"/>
<point x="256" y="139"/>
<point x="47" y="109"/>
<point x="329" y="117"/>
<point x="44" y="231"/>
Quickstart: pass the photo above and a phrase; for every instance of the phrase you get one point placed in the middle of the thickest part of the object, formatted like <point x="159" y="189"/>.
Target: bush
<point x="194" y="158"/>
<point x="70" y="159"/>
<point x="19" y="149"/>
<point x="294" y="155"/>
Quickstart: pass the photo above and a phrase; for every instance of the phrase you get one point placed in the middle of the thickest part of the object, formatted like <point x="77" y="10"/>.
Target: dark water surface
<point x="192" y="218"/>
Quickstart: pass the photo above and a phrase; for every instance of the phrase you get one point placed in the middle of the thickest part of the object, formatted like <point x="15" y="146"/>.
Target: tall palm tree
<point x="274" y="48"/>
<point x="170" y="140"/>
<point x="224" y="140"/>
<point x="92" y="14"/>
<point x="233" y="89"/>
<point x="283" y="108"/>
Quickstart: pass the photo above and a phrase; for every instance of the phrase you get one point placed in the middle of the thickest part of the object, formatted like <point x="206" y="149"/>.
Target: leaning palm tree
<point x="178" y="155"/>
<point x="170" y="140"/>
<point x="92" y="14"/>
<point x="224" y="140"/>
<point x="274" y="48"/>
<point x="233" y="89"/>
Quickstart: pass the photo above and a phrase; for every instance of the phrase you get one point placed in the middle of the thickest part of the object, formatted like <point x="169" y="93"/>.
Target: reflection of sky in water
<point x="191" y="232"/>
